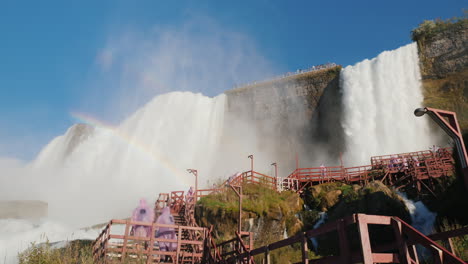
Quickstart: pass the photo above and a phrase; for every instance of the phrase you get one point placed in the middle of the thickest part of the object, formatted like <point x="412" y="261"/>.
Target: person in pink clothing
<point x="166" y="218"/>
<point x="143" y="213"/>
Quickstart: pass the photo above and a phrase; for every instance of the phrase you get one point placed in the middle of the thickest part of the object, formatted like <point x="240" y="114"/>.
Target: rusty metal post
<point x="266" y="259"/>
<point x="239" y="194"/>
<point x="304" y="249"/>
<point x="124" y="247"/>
<point x="179" y="244"/>
<point x="345" y="252"/>
<point x="403" y="253"/>
<point x="150" y="247"/>
<point x="447" y="120"/>
<point x="276" y="175"/>
<point x="297" y="162"/>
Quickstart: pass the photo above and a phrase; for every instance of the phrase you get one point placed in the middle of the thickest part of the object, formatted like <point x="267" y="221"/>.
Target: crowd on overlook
<point x="298" y="71"/>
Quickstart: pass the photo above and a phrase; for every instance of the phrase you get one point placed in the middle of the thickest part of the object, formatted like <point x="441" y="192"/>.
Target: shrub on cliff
<point x="429" y="28"/>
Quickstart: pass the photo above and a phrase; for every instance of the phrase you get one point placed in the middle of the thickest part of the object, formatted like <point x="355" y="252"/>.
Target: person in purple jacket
<point x="166" y="218"/>
<point x="143" y="213"/>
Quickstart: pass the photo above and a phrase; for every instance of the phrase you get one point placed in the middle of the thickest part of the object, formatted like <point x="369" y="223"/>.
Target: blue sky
<point x="107" y="58"/>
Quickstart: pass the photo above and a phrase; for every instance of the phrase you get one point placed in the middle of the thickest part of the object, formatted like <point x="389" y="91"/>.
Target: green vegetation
<point x="460" y="243"/>
<point x="258" y="200"/>
<point x="267" y="212"/>
<point x="76" y="252"/>
<point x="430" y="28"/>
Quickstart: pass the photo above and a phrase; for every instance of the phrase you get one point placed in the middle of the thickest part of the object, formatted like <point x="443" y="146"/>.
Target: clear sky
<point x="106" y="58"/>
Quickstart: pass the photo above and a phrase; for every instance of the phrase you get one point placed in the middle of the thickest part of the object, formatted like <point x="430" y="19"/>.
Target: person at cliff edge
<point x="166" y="232"/>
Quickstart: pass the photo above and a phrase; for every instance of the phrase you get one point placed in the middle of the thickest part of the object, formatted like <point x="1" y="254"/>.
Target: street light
<point x="276" y="175"/>
<point x="447" y="120"/>
<point x="251" y="162"/>
<point x="195" y="172"/>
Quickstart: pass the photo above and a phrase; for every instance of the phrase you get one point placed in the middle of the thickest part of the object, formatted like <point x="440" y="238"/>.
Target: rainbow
<point x="134" y="143"/>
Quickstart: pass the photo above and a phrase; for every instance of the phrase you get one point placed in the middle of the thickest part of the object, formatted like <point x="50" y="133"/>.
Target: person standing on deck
<point x="143" y="213"/>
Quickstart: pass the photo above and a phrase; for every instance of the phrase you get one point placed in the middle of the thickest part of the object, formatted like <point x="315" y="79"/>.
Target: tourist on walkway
<point x="143" y="213"/>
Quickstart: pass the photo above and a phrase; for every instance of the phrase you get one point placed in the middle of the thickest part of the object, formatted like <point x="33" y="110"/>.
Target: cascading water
<point x="146" y="154"/>
<point x="421" y="218"/>
<point x="322" y="218"/>
<point x="105" y="174"/>
<point x="92" y="174"/>
<point x="379" y="97"/>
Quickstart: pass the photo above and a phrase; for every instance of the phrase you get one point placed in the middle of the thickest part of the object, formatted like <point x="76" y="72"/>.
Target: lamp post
<point x="276" y="174"/>
<point x="251" y="162"/>
<point x="239" y="194"/>
<point x="195" y="172"/>
<point x="447" y="120"/>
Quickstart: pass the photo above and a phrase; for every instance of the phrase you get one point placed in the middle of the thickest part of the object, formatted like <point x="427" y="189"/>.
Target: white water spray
<point x="322" y="219"/>
<point x="379" y="97"/>
<point x="421" y="218"/>
<point x="104" y="175"/>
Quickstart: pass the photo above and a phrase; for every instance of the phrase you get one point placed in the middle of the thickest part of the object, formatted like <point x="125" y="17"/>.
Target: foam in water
<point x="379" y="97"/>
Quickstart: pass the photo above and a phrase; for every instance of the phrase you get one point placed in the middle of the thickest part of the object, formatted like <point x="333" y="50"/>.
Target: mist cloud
<point x="199" y="56"/>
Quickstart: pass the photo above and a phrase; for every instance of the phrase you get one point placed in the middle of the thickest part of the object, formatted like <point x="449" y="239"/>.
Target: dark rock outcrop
<point x="75" y="135"/>
<point x="288" y="114"/>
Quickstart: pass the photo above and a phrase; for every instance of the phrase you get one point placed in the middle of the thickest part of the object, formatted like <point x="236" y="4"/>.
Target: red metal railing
<point x="416" y="166"/>
<point x="228" y="250"/>
<point x="114" y="244"/>
<point x="403" y="250"/>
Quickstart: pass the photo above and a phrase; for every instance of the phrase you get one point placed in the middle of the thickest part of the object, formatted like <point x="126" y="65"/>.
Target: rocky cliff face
<point x="444" y="69"/>
<point x="284" y="116"/>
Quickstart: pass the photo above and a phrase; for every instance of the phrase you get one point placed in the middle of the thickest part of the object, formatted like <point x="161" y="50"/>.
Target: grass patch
<point x="76" y="252"/>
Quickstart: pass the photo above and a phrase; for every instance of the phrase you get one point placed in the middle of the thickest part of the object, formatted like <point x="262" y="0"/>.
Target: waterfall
<point x="98" y="171"/>
<point x="421" y="218"/>
<point x="112" y="167"/>
<point x="379" y="97"/>
<point x="322" y="218"/>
